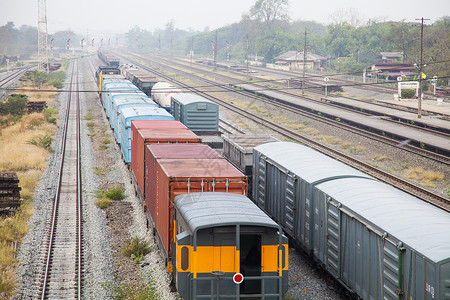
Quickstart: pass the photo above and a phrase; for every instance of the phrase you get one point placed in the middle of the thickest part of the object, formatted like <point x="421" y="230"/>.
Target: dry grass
<point x="28" y="180"/>
<point x="30" y="91"/>
<point x="346" y="145"/>
<point x="297" y="126"/>
<point x="103" y="202"/>
<point x="8" y="282"/>
<point x="379" y="157"/>
<point x="329" y="139"/>
<point x="15" y="153"/>
<point x="357" y="149"/>
<point x="258" y="109"/>
<point x="427" y="177"/>
<point x="311" y="131"/>
<point x="7" y="255"/>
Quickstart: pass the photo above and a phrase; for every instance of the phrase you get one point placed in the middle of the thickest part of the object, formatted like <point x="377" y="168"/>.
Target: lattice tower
<point x="42" y="35"/>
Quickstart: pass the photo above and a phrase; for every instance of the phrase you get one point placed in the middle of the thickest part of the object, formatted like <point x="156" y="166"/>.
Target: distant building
<point x="390" y="71"/>
<point x="389" y="57"/>
<point x="294" y="60"/>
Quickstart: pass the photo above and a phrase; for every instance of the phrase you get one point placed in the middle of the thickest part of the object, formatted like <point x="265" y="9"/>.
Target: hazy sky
<point x="106" y="16"/>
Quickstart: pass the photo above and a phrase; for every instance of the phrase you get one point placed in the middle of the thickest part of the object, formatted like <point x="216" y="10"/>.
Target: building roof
<point x="298" y="56"/>
<point x="206" y="210"/>
<point x="391" y="54"/>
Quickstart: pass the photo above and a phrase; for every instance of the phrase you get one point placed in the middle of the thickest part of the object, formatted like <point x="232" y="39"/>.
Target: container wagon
<point x="220" y="236"/>
<point x="157" y="134"/>
<point x="196" y="112"/>
<point x="128" y="114"/>
<point x="167" y="178"/>
<point x="380" y="243"/>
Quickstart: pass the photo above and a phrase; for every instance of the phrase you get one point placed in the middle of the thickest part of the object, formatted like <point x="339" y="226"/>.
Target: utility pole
<point x="159" y="44"/>
<point x="215" y="52"/>
<point x="304" y="66"/>
<point x="247" y="54"/>
<point x="192" y="48"/>
<point x="419" y="108"/>
<point x="42" y="35"/>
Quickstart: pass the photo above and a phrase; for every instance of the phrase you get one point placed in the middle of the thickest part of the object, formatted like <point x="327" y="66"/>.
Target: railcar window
<point x="184" y="258"/>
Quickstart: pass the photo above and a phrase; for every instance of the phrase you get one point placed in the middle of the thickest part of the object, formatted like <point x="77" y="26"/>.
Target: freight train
<point x="215" y="241"/>
<point x="378" y="242"/>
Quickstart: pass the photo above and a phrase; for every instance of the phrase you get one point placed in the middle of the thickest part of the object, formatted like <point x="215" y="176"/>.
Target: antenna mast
<point x="42" y="35"/>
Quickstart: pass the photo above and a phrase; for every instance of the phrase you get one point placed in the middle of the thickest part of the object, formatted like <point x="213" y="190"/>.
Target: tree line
<point x="270" y="33"/>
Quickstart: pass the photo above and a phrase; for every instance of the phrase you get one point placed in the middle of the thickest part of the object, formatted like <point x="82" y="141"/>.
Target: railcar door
<point x="250" y="263"/>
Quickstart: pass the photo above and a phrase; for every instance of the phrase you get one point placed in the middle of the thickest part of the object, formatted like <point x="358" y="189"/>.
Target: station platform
<point x="380" y="123"/>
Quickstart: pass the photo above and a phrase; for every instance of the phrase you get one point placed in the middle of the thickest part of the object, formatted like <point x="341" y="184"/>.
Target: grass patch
<point x="106" y="141"/>
<point x="118" y="291"/>
<point x="379" y="157"/>
<point x="311" y="131"/>
<point x="297" y="126"/>
<point x="136" y="247"/>
<point x="42" y="141"/>
<point x="427" y="177"/>
<point x="115" y="193"/>
<point x="99" y="171"/>
<point x="357" y="149"/>
<point x="27" y="181"/>
<point x="329" y="139"/>
<point x="103" y="203"/>
<point x="103" y="147"/>
<point x="8" y="282"/>
<point x="50" y="115"/>
<point x="88" y="117"/>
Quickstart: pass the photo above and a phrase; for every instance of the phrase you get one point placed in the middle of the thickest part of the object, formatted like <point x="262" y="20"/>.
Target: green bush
<point x="408" y="94"/>
<point x="15" y="105"/>
<point x="113" y="194"/>
<point x="49" y="115"/>
<point x="43" y="141"/>
<point x="56" y="83"/>
<point x="136" y="247"/>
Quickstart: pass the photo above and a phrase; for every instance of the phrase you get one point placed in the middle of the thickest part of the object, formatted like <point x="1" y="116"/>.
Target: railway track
<point x="62" y="273"/>
<point x="331" y="120"/>
<point x="312" y="89"/>
<point x="400" y="183"/>
<point x="10" y="79"/>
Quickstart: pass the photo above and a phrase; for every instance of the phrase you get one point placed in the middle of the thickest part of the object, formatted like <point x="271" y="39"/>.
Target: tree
<point x="269" y="12"/>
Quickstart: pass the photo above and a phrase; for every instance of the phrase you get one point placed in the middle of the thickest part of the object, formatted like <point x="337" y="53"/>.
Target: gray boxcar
<point x="379" y="242"/>
<point x="196" y="112"/>
<point x="284" y="175"/>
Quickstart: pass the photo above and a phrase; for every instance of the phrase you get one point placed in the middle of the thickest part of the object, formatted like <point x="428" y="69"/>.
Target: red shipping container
<point x="142" y="137"/>
<point x="172" y="177"/>
<point x="174" y="151"/>
<point x="149" y="124"/>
